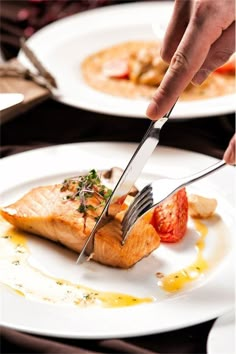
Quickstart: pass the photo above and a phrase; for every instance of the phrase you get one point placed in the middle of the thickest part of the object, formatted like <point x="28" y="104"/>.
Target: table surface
<point x="51" y="123"/>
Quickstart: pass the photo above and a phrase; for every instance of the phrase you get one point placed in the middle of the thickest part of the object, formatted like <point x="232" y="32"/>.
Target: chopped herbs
<point x="84" y="187"/>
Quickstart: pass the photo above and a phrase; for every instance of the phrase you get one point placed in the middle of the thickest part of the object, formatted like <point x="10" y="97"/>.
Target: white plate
<point x="221" y="339"/>
<point x="202" y="300"/>
<point x="63" y="45"/>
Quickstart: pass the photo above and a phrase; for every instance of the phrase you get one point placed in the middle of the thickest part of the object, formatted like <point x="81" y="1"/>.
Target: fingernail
<point x="152" y="110"/>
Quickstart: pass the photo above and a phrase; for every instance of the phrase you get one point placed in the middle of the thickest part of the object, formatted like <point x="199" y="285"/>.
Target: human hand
<point x="229" y="155"/>
<point x="200" y="38"/>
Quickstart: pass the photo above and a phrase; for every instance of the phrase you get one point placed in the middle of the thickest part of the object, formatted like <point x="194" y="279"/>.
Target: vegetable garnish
<point x="85" y="187"/>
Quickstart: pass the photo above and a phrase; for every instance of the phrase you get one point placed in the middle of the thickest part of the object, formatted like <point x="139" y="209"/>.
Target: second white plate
<point x="221" y="339"/>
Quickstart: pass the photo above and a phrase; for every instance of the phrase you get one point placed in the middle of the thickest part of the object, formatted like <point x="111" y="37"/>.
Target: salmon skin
<point x="47" y="211"/>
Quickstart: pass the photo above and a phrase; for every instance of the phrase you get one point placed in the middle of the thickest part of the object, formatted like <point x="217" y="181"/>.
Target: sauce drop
<point x="177" y="280"/>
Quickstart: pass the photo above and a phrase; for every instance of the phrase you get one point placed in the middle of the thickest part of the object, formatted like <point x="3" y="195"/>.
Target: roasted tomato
<point x="170" y="217"/>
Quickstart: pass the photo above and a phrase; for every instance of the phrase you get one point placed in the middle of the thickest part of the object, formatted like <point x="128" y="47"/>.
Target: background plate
<point x="204" y="299"/>
<point x="63" y="45"/>
<point x="221" y="338"/>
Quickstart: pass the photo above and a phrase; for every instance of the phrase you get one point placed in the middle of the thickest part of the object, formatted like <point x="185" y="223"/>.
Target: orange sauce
<point x="14" y="255"/>
<point x="177" y="280"/>
<point x="17" y="273"/>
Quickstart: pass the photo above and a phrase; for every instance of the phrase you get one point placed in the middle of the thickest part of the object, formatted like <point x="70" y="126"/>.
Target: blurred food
<point x="135" y="69"/>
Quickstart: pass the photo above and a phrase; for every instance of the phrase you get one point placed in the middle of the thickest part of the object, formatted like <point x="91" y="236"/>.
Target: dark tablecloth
<point x="53" y="123"/>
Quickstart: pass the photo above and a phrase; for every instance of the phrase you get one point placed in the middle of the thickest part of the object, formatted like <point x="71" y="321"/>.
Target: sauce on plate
<point x="92" y="70"/>
<point x="17" y="273"/>
<point x="26" y="280"/>
<point x="177" y="280"/>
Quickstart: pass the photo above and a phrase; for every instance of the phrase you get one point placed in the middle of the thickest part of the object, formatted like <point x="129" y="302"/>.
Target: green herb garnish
<point x="85" y="187"/>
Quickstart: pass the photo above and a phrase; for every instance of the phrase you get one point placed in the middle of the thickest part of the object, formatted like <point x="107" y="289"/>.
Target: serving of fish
<point x="67" y="212"/>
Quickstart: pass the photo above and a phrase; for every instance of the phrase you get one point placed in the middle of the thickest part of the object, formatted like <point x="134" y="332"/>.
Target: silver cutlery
<point x="129" y="176"/>
<point x="156" y="192"/>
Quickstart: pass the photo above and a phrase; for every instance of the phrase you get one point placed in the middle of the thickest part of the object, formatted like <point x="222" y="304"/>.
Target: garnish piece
<point x="84" y="188"/>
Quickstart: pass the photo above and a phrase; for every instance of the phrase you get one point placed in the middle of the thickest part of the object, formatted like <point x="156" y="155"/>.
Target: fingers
<point x="176" y="28"/>
<point x="203" y="30"/>
<point x="219" y="53"/>
<point x="229" y="155"/>
<point x="186" y="61"/>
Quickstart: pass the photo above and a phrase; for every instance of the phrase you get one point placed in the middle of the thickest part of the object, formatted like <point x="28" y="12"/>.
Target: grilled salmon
<point x="57" y="213"/>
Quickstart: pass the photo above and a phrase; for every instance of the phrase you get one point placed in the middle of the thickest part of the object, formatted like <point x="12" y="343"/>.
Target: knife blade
<point x="129" y="176"/>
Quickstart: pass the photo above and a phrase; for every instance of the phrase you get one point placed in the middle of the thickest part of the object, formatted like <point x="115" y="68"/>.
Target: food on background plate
<point x="135" y="69"/>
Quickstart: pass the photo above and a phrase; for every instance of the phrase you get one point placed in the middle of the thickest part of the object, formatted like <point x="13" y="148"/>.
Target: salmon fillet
<point x="46" y="211"/>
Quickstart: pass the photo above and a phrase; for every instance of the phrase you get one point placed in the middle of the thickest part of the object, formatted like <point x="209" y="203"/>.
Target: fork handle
<point x="203" y="173"/>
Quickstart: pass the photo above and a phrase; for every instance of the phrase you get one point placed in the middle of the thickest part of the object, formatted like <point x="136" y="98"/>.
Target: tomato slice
<point x="170" y="217"/>
<point x="117" y="68"/>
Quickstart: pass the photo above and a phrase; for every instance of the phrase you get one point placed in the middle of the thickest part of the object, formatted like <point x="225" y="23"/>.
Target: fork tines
<point x="141" y="203"/>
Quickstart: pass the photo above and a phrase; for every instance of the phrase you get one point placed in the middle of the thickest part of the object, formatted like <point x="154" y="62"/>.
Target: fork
<point x="156" y="192"/>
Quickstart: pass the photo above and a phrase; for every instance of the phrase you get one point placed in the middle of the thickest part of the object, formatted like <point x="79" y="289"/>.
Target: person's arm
<point x="199" y="39"/>
<point x="229" y="155"/>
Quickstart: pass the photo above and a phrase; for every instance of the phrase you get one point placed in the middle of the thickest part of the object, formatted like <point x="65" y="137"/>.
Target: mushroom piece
<point x="112" y="176"/>
<point x="201" y="207"/>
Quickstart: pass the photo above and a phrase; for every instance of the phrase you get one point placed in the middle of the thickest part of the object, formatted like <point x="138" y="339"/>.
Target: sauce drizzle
<point x="177" y="280"/>
<point x="17" y="273"/>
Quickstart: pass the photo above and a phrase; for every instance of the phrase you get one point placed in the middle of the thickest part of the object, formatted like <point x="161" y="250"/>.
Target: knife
<point x="129" y="176"/>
